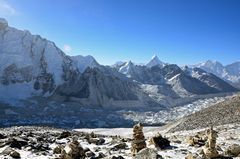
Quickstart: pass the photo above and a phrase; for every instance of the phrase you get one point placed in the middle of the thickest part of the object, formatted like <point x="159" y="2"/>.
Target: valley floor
<point x="72" y="115"/>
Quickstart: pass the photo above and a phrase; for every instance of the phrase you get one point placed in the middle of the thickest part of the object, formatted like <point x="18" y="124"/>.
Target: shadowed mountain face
<point x="94" y="81"/>
<point x="212" y="80"/>
<point x="32" y="66"/>
<point x="194" y="85"/>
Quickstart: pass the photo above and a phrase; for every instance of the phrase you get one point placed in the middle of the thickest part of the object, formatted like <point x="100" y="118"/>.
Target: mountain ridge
<point x="230" y="72"/>
<point x="42" y="69"/>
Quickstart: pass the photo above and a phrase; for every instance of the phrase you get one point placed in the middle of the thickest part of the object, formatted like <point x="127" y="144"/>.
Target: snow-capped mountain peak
<point x="212" y="64"/>
<point x="154" y="62"/>
<point x="29" y="64"/>
<point x="214" y="67"/>
<point x="83" y="62"/>
<point x="126" y="67"/>
<point x="129" y="63"/>
<point x="117" y="64"/>
<point x="230" y="73"/>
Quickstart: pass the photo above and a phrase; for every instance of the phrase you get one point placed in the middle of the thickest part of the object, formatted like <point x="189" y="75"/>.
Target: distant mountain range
<point x="230" y="73"/>
<point x="31" y="66"/>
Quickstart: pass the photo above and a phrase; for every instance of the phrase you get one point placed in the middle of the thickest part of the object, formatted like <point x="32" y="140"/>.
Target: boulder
<point x="160" y="142"/>
<point x="57" y="149"/>
<point x="86" y="150"/>
<point x="2" y="136"/>
<point x="121" y="145"/>
<point x="233" y="150"/>
<point x="17" y="143"/>
<point x="7" y="151"/>
<point x="101" y="155"/>
<point x="97" y="141"/>
<point x="73" y="150"/>
<point x="41" y="146"/>
<point x="193" y="156"/>
<point x="147" y="153"/>
<point x="100" y="141"/>
<point x="15" y="154"/>
<point x="118" y="157"/>
<point x="196" y="140"/>
<point x="89" y="154"/>
<point x="189" y="156"/>
<point x="64" y="134"/>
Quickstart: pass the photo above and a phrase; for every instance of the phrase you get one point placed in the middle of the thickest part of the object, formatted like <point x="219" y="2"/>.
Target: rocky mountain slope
<point x="226" y="112"/>
<point x="102" y="87"/>
<point x="209" y="79"/>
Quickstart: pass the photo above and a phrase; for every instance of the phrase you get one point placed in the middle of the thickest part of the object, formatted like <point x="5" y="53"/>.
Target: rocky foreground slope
<point x="123" y="143"/>
<point x="226" y="112"/>
<point x="51" y="143"/>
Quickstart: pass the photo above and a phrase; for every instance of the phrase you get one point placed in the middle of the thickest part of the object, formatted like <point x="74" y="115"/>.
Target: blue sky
<point x="178" y="31"/>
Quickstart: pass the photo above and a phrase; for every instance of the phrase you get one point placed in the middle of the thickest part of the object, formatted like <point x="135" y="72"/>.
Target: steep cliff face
<point x="30" y="61"/>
